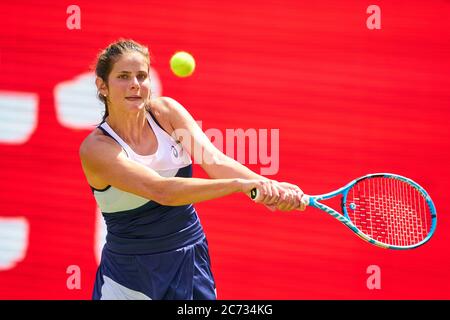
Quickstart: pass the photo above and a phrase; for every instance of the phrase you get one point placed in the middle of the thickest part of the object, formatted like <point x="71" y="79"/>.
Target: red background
<point x="348" y="101"/>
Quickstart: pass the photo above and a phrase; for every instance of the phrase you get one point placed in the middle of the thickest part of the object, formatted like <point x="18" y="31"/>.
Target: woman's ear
<point x="101" y="86"/>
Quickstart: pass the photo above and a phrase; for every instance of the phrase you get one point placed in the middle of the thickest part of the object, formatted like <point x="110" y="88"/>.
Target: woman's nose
<point x="134" y="82"/>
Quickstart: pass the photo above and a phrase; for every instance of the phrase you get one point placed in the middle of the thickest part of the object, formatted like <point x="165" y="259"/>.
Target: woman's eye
<point x="123" y="76"/>
<point x="142" y="76"/>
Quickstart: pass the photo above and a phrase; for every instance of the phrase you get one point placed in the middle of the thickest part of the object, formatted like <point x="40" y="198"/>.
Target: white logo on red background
<point x="77" y="107"/>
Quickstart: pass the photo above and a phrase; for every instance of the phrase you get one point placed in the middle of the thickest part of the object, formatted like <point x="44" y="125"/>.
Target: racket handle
<point x="254" y="193"/>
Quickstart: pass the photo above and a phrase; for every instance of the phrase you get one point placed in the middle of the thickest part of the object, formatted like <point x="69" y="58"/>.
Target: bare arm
<point x="218" y="165"/>
<point x="102" y="157"/>
<point x="215" y="163"/>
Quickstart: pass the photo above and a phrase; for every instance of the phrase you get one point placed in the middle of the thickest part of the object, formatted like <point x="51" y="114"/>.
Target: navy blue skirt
<point x="181" y="274"/>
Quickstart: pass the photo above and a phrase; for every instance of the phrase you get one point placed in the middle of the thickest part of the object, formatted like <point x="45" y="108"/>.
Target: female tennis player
<point x="138" y="164"/>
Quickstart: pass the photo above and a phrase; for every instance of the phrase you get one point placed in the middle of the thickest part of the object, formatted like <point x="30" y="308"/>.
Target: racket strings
<point x="389" y="210"/>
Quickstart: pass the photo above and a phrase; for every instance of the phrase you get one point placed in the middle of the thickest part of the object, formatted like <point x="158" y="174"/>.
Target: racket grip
<point x="254" y="193"/>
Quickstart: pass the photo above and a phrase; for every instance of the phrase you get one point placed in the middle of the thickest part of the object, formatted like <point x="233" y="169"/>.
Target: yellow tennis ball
<point x="182" y="64"/>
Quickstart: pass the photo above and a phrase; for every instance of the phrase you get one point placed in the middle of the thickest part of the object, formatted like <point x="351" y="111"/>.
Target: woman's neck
<point x="130" y="127"/>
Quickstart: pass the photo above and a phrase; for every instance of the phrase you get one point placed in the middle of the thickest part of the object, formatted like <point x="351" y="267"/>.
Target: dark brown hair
<point x="109" y="56"/>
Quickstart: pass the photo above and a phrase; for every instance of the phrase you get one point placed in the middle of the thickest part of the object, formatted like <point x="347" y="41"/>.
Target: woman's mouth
<point x="133" y="98"/>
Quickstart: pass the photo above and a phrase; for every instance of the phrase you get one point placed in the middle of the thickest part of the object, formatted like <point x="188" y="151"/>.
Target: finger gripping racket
<point x="387" y="210"/>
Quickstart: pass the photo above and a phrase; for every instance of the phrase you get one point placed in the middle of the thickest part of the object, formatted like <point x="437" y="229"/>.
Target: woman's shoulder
<point x="164" y="109"/>
<point x="162" y="106"/>
<point x="96" y="142"/>
<point x="169" y="110"/>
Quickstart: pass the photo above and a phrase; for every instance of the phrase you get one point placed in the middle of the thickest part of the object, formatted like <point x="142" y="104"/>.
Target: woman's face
<point x="129" y="83"/>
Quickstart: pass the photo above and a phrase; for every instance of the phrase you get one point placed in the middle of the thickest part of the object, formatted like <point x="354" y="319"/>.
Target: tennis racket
<point x="387" y="210"/>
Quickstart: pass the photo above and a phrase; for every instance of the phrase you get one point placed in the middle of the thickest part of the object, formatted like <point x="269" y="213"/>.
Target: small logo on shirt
<point x="174" y="152"/>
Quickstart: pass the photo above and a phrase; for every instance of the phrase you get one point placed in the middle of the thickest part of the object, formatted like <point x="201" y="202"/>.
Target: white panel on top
<point x="77" y="105"/>
<point x="18" y="116"/>
<point x="13" y="241"/>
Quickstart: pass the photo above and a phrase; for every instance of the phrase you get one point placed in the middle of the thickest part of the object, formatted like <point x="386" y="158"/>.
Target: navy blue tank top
<point x="137" y="225"/>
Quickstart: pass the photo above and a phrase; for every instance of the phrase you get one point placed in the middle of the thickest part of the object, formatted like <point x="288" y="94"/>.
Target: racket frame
<point x="344" y="217"/>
